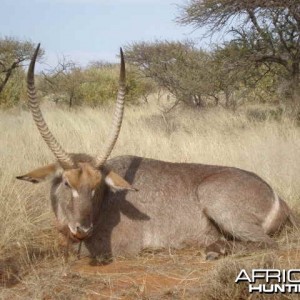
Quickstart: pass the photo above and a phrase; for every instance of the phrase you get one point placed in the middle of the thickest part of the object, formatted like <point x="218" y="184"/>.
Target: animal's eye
<point x="66" y="184"/>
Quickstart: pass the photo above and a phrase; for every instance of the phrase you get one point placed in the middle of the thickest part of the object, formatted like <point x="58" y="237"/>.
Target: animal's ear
<point x="40" y="174"/>
<point x="116" y="182"/>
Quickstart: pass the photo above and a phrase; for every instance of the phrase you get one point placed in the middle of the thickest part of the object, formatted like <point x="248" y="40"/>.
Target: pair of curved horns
<point x="63" y="157"/>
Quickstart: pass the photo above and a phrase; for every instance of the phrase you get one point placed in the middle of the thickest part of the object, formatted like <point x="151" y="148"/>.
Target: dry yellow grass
<point x="29" y="251"/>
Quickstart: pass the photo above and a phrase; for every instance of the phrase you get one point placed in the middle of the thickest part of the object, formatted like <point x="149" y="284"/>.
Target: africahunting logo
<point x="271" y="281"/>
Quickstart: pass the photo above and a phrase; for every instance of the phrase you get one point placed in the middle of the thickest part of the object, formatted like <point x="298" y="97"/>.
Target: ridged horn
<point x="118" y="116"/>
<point x="63" y="158"/>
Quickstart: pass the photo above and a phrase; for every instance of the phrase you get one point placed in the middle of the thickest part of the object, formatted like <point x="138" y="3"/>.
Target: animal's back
<point x="173" y="202"/>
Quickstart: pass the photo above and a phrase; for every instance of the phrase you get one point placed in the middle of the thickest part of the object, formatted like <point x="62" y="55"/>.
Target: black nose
<point x="84" y="230"/>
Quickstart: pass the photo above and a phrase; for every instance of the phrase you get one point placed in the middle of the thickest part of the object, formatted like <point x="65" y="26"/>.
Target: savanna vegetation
<point x="32" y="264"/>
<point x="257" y="62"/>
<point x="235" y="103"/>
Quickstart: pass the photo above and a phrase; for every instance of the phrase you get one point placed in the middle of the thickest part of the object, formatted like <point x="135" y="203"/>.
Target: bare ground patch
<point x="167" y="274"/>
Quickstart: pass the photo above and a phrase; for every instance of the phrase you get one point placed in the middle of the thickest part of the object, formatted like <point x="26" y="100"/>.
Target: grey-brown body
<point x="178" y="203"/>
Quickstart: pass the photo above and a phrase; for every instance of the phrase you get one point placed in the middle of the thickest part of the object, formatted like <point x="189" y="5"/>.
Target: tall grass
<point x="270" y="149"/>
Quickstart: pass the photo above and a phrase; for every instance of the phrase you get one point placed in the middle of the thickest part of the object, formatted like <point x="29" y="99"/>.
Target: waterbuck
<point x="123" y="205"/>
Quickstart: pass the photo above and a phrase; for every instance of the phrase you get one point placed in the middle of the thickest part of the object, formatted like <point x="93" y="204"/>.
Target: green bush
<point x="101" y="85"/>
<point x="96" y="85"/>
<point x="14" y="90"/>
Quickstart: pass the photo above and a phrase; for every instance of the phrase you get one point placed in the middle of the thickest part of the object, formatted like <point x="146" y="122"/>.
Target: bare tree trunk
<point x="227" y="99"/>
<point x="294" y="103"/>
<point x="295" y="77"/>
<point x="71" y="100"/>
<point x="7" y="76"/>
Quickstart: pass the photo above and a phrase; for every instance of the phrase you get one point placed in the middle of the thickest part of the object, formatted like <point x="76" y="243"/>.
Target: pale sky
<point x="85" y="30"/>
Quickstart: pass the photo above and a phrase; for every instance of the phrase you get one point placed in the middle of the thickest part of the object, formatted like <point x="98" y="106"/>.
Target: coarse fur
<point x="171" y="204"/>
<point x="181" y="202"/>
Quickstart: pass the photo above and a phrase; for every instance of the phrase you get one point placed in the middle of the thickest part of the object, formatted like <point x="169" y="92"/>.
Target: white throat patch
<point x="75" y="193"/>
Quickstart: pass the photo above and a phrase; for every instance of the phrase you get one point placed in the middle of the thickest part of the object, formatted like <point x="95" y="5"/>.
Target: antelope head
<point x="78" y="180"/>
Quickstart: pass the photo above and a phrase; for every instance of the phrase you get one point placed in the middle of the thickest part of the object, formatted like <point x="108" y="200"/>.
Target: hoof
<point x="212" y="256"/>
<point x="100" y="261"/>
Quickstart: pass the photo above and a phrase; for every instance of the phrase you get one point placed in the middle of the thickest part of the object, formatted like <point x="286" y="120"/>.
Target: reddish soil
<point x="152" y="278"/>
<point x="180" y="274"/>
